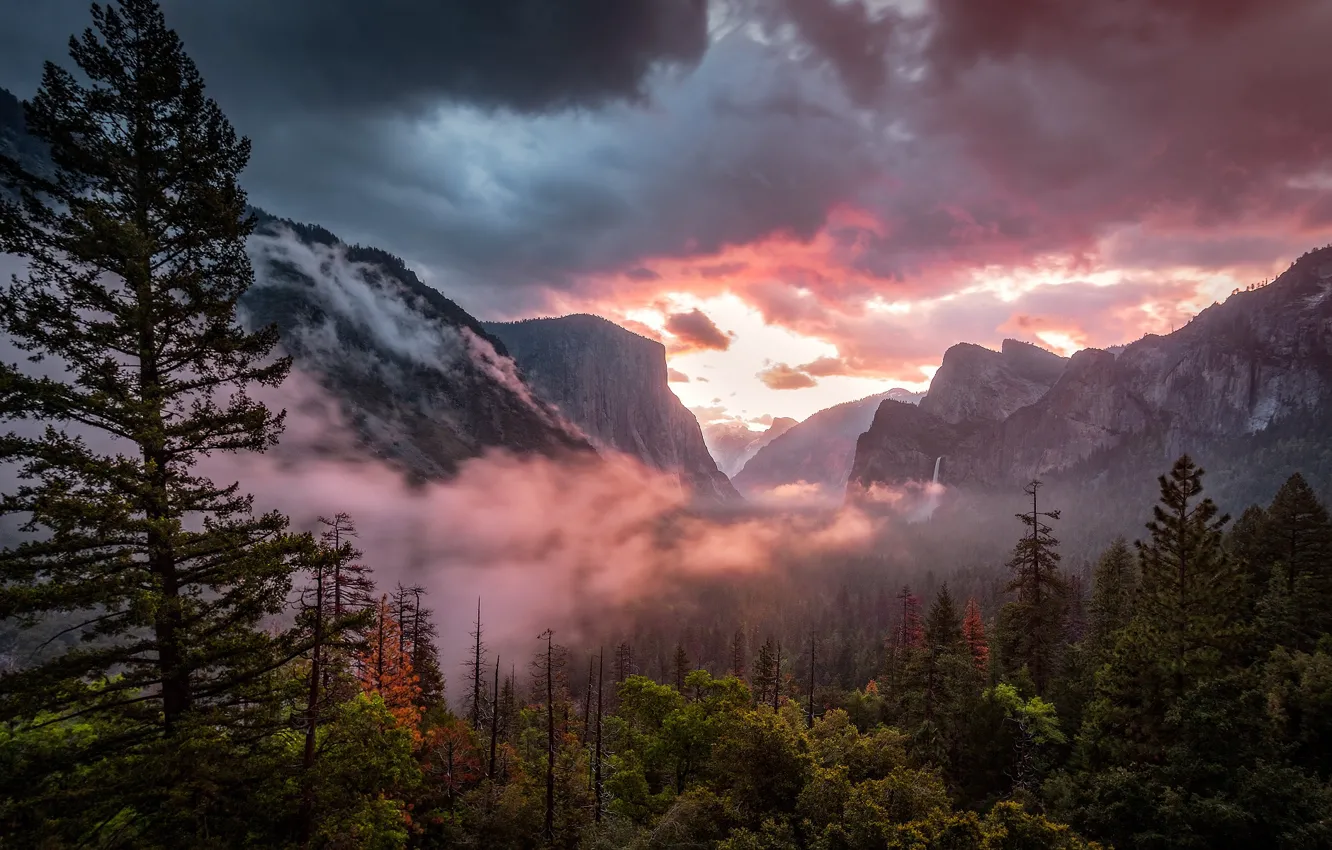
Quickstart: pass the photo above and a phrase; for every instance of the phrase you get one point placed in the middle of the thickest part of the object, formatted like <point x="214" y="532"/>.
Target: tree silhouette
<point x="1036" y="619"/>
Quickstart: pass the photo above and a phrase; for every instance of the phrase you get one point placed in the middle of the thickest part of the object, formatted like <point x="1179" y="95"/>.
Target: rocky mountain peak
<point x="612" y="383"/>
<point x="1260" y="360"/>
<point x="817" y="451"/>
<point x="732" y="442"/>
<point x="979" y="384"/>
<point x="422" y="384"/>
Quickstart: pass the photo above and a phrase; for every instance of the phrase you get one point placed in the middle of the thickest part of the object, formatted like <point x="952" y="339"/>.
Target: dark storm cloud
<point x="1098" y="113"/>
<point x="849" y="36"/>
<point x="973" y="133"/>
<point x="348" y="56"/>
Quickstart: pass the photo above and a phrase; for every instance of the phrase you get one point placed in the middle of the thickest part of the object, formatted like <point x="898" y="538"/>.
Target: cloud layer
<point x="885" y="176"/>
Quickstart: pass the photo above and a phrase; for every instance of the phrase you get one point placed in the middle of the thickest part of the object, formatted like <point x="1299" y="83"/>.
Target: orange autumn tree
<point x="973" y="630"/>
<point x="452" y="760"/>
<point x="385" y="668"/>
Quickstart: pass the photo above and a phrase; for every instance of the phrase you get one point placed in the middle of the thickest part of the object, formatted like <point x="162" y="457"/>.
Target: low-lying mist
<point x="568" y="544"/>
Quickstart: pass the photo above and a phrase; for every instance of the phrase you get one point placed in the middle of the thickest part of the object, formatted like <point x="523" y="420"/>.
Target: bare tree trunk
<point x="312" y="712"/>
<point x="494" y="722"/>
<point x="550" y="739"/>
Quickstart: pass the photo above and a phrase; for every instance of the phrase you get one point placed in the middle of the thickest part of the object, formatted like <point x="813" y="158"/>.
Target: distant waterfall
<point x="936" y="469"/>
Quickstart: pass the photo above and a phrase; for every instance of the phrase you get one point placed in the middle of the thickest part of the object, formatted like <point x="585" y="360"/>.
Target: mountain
<point x="611" y="383"/>
<point x="422" y="383"/>
<point x="15" y="142"/>
<point x="818" y="451"/>
<point x="1239" y="373"/>
<point x="975" y="383"/>
<point x="732" y="443"/>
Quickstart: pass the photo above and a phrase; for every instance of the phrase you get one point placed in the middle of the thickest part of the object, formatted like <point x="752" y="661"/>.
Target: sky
<point x="807" y="201"/>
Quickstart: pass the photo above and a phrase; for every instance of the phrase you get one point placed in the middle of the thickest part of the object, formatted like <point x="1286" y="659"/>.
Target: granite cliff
<point x="1259" y="362"/>
<point x="611" y="383"/>
<point x="420" y="381"/>
<point x="819" y="450"/>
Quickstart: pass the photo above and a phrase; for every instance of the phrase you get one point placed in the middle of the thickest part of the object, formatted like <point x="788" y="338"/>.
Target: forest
<point x="197" y="674"/>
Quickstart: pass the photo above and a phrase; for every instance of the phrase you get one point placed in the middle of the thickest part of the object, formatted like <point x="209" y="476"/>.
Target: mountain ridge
<point x="612" y="383"/>
<point x="818" y="451"/>
<point x="1239" y="367"/>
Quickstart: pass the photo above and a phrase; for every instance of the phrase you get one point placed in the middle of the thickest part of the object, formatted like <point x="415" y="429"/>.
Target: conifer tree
<point x="353" y="586"/>
<point x="680" y="663"/>
<point x="421" y="633"/>
<point x="738" y="654"/>
<point x="597" y="787"/>
<point x="508" y="708"/>
<point x="1248" y="545"/>
<point x="943" y="626"/>
<point x="908" y="636"/>
<point x="547" y="675"/>
<point x="494" y="721"/>
<point x="1299" y="533"/>
<point x="476" y="673"/>
<point x="1034" y="622"/>
<point x="1075" y="609"/>
<point x="763" y="676"/>
<point x="587" y="702"/>
<point x="624" y="663"/>
<point x="1114" y="586"/>
<point x="973" y="631"/>
<point x="1297" y="545"/>
<point x="135" y="250"/>
<point x="1190" y="587"/>
<point x="328" y="637"/>
<point x="909" y="632"/>
<point x="813" y="659"/>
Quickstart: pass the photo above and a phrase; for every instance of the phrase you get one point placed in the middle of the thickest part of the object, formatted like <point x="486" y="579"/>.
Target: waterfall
<point x="936" y="469"/>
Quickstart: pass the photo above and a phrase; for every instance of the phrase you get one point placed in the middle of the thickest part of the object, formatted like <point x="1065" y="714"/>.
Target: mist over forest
<point x="804" y="505"/>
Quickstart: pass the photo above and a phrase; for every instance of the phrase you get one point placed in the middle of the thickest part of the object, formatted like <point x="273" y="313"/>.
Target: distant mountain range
<point x="421" y="381"/>
<point x="1245" y="387"/>
<point x="424" y="385"/>
<point x="818" y="451"/>
<point x="732" y="442"/>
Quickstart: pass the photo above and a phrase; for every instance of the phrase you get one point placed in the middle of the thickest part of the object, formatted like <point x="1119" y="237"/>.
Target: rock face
<point x="612" y="384"/>
<point x="1259" y="361"/>
<point x="422" y="383"/>
<point x="732" y="443"/>
<point x="819" y="450"/>
<point x="906" y="442"/>
<point x="975" y="384"/>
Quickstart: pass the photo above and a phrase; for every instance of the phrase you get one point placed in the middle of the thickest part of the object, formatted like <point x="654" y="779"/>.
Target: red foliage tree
<point x="452" y="759"/>
<point x="385" y="668"/>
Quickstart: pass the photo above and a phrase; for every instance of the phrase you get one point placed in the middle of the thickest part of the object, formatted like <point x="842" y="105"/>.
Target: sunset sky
<point x="807" y="201"/>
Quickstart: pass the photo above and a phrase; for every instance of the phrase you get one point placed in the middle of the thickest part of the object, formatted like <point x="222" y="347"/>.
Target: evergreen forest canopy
<point x="207" y="676"/>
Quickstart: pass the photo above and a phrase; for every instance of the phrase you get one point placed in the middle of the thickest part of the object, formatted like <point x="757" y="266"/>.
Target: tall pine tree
<point x="1191" y="589"/>
<point x="135" y="250"/>
<point x="1114" y="585"/>
<point x="1034" y="622"/>
<point x="1297" y="548"/>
